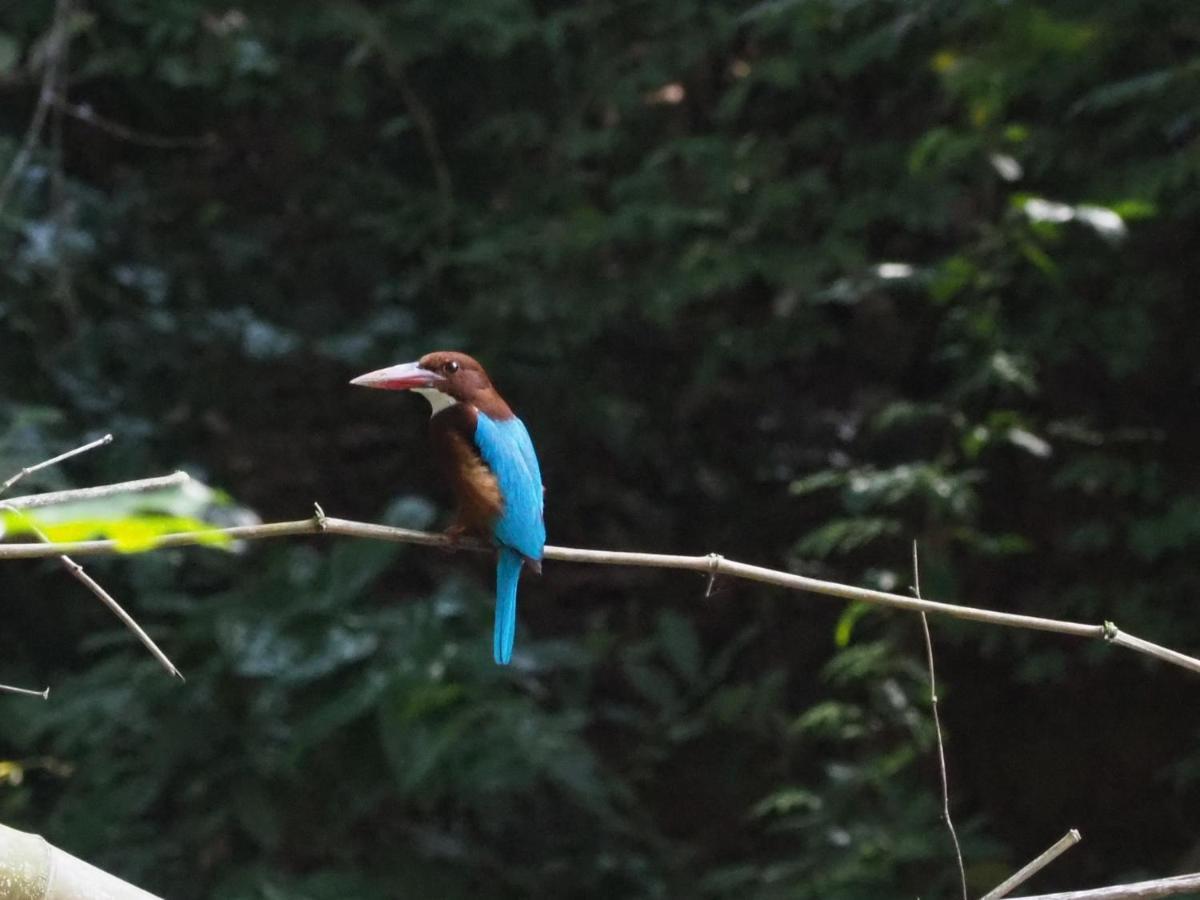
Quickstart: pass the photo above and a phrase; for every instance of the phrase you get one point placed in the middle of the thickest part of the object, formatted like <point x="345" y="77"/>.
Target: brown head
<point x="444" y="377"/>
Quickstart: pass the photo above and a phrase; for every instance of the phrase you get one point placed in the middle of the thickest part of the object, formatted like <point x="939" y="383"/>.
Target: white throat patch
<point x="437" y="400"/>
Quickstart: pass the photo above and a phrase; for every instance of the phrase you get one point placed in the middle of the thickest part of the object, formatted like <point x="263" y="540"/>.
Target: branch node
<point x="714" y="566"/>
<point x="322" y="520"/>
<point x="1110" y="631"/>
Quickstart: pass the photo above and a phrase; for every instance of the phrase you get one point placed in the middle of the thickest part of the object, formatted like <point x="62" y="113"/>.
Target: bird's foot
<point x="453" y="535"/>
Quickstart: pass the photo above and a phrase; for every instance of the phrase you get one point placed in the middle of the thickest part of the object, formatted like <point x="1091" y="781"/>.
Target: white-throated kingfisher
<point x="489" y="459"/>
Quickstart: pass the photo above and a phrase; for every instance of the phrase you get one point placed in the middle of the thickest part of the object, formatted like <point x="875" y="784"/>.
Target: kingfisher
<point x="486" y="453"/>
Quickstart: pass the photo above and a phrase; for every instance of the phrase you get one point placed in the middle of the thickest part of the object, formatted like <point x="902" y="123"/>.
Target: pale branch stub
<point x="1031" y="868"/>
<point x="29" y="470"/>
<point x="44" y="693"/>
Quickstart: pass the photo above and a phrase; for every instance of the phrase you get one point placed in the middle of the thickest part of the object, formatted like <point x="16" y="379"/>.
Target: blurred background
<point x="798" y="281"/>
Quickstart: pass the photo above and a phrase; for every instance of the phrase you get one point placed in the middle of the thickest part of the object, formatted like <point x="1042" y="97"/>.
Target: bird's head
<point x="443" y="378"/>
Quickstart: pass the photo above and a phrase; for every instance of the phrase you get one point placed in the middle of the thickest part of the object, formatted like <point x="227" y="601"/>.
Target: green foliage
<point x="798" y="280"/>
<point x="135" y="521"/>
<point x="316" y="713"/>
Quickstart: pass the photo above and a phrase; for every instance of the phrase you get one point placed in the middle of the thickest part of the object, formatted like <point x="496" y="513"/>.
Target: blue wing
<point x="505" y="446"/>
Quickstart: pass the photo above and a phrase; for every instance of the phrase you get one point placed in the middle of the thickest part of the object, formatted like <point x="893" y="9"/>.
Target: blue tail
<point x="508" y="573"/>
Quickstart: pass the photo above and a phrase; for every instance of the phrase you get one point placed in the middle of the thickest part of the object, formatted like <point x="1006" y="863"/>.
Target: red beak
<point x="403" y="377"/>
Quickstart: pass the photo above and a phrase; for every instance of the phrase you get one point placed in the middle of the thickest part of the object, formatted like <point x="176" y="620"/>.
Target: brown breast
<point x="475" y="487"/>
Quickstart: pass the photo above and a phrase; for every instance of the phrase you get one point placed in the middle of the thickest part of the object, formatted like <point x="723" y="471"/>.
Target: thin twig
<point x="29" y="470"/>
<point x="59" y="208"/>
<point x="1141" y="890"/>
<point x="54" y="460"/>
<point x="395" y="65"/>
<point x="76" y="495"/>
<point x="702" y="564"/>
<point x="428" y="130"/>
<point x="937" y="727"/>
<point x="85" y="113"/>
<point x="8" y="689"/>
<point x="1027" y="871"/>
<point x="50" y="72"/>
<point x="106" y="598"/>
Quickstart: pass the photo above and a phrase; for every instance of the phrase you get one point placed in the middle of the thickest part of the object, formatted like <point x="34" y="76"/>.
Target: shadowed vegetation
<point x="797" y="281"/>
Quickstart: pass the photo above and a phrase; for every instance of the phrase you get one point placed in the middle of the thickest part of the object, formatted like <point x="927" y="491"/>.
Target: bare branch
<point x="395" y="65"/>
<point x="1023" y="874"/>
<point x="106" y="598"/>
<point x="60" y="209"/>
<point x="428" y="130"/>
<point x="85" y="113"/>
<point x="1141" y="890"/>
<point x="51" y="72"/>
<point x="1115" y="635"/>
<point x="28" y="470"/>
<point x="705" y="565"/>
<point x="937" y="727"/>
<point x="8" y="689"/>
<point x="142" y="485"/>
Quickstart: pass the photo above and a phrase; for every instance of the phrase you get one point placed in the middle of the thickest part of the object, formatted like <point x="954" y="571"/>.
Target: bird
<point x="486" y="453"/>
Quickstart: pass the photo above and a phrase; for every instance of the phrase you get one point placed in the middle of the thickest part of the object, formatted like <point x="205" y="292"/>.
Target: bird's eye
<point x="450" y="368"/>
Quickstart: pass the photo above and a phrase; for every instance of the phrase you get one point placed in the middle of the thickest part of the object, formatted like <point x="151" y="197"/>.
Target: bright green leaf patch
<point x="133" y="534"/>
<point x="136" y="521"/>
